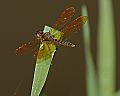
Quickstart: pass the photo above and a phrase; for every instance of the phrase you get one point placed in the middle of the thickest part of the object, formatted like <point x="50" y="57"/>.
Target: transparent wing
<point x="27" y="46"/>
<point x="74" y="26"/>
<point x="64" y="17"/>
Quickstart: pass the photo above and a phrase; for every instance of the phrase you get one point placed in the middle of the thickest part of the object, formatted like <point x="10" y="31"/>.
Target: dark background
<point x="19" y="19"/>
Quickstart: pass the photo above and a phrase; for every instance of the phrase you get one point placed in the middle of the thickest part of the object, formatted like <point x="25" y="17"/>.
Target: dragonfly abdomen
<point x="66" y="44"/>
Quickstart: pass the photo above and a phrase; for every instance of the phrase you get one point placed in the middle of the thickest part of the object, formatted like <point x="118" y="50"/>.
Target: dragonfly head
<point x="39" y="34"/>
<point x="44" y="36"/>
<point x="48" y="36"/>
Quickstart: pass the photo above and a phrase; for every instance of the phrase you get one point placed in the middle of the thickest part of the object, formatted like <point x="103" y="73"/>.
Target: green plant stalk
<point x="106" y="49"/>
<point x="91" y="79"/>
<point x="41" y="70"/>
<point x="40" y="75"/>
<point x="117" y="93"/>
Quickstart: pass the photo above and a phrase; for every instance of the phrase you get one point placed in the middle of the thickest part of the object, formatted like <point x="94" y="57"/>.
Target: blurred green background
<point x="19" y="20"/>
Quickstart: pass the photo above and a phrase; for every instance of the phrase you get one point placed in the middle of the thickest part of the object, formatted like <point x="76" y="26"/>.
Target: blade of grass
<point x="40" y="75"/>
<point x="92" y="87"/>
<point x="117" y="93"/>
<point x="42" y="93"/>
<point x="41" y="71"/>
<point x="106" y="49"/>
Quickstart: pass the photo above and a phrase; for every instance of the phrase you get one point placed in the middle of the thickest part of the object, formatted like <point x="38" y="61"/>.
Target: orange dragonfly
<point x="45" y="43"/>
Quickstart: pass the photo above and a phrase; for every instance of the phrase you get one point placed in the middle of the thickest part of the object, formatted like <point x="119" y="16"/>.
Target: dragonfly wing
<point x="64" y="17"/>
<point x="75" y="25"/>
<point x="27" y="46"/>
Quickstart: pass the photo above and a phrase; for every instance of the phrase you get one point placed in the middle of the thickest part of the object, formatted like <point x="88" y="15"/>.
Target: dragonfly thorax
<point x="44" y="36"/>
<point x="49" y="37"/>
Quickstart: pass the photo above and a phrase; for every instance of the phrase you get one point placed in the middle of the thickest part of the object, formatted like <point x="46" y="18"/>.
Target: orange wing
<point x="75" y="25"/>
<point x="64" y="17"/>
<point x="27" y="46"/>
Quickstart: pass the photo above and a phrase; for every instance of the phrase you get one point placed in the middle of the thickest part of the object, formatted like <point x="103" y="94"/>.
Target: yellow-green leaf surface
<point x="43" y="62"/>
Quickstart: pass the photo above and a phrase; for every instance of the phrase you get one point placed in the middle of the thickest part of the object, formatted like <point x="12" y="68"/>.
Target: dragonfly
<point x="44" y="43"/>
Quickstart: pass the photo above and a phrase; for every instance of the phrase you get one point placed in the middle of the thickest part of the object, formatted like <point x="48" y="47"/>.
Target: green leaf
<point x="43" y="64"/>
<point x="117" y="93"/>
<point x="91" y="79"/>
<point x="42" y="93"/>
<point x="106" y="49"/>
